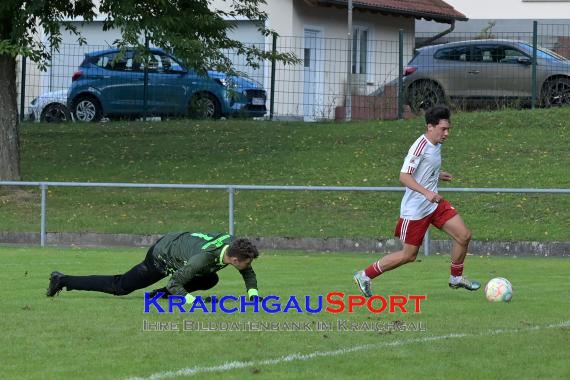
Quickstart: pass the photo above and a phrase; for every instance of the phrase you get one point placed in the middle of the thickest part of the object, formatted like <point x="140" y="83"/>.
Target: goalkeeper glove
<point x="153" y="293"/>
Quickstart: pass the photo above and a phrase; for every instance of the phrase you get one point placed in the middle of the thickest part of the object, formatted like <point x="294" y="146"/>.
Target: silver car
<point x="485" y="70"/>
<point x="50" y="107"/>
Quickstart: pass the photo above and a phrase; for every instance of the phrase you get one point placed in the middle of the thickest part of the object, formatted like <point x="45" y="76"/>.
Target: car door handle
<point x="473" y="72"/>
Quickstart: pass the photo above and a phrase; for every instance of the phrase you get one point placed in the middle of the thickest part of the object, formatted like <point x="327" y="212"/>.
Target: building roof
<point x="436" y="10"/>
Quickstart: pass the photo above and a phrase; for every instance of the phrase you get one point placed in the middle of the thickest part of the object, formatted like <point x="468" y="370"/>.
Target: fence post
<point x="534" y="43"/>
<point x="23" y="88"/>
<point x="426" y="243"/>
<point x="272" y="100"/>
<point x="231" y="192"/>
<point x="43" y="188"/>
<point x="401" y="74"/>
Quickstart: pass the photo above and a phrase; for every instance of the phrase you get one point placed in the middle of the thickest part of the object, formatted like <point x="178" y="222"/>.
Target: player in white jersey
<point x="422" y="206"/>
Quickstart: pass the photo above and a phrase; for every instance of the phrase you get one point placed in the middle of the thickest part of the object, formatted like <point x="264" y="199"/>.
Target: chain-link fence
<point x="472" y="70"/>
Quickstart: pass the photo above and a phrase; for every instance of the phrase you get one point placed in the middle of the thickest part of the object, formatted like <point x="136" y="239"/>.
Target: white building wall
<point x="280" y="14"/>
<point x="333" y="23"/>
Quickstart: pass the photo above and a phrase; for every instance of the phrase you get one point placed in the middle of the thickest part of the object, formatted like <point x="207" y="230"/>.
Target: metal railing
<point x="231" y="189"/>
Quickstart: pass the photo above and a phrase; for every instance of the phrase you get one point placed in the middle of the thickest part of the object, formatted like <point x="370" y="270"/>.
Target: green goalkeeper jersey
<point x="186" y="255"/>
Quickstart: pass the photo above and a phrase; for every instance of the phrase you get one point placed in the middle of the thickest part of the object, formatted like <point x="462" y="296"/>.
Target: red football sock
<point x="374" y="270"/>
<point x="456" y="269"/>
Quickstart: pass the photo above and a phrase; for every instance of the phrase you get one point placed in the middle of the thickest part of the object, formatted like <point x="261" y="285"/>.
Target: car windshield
<point x="543" y="53"/>
<point x="174" y="64"/>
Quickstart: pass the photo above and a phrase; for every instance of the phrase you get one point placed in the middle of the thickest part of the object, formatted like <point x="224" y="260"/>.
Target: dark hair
<point x="243" y="249"/>
<point x="437" y="113"/>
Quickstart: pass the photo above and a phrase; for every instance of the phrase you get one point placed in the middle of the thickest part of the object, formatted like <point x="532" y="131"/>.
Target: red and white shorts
<point x="412" y="231"/>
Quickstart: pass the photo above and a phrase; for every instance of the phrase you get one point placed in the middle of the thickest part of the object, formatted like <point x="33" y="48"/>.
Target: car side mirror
<point x="524" y="60"/>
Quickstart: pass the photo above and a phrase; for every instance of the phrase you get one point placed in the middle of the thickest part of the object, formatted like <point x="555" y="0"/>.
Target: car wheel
<point x="55" y="113"/>
<point x="205" y="106"/>
<point x="556" y="92"/>
<point x="86" y="109"/>
<point x="422" y="95"/>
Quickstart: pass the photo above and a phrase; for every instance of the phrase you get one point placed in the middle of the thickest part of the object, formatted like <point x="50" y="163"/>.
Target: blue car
<point x="110" y="83"/>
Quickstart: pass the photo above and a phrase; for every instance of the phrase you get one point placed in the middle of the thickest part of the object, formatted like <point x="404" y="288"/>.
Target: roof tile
<point x="436" y="9"/>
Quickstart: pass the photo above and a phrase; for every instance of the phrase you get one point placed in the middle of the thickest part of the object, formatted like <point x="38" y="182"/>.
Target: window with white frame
<point x="360" y="38"/>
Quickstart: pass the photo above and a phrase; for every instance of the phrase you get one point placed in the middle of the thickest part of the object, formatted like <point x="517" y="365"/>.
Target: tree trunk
<point x="9" y="137"/>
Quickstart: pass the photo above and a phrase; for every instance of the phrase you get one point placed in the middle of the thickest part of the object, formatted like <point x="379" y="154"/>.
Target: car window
<point x="133" y="64"/>
<point x="170" y="65"/>
<point x="105" y="61"/>
<point x="487" y="54"/>
<point x="162" y="64"/>
<point x="458" y="53"/>
<point x="176" y="67"/>
<point x="542" y="53"/>
<point x="154" y="63"/>
<point x="511" y="55"/>
<point x="115" y="61"/>
<point x="89" y="60"/>
<point x="129" y="61"/>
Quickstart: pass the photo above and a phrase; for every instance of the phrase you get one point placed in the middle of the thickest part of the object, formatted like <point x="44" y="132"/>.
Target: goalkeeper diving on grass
<point x="190" y="258"/>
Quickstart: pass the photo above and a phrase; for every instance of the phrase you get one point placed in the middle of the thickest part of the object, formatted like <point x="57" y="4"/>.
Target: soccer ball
<point x="499" y="290"/>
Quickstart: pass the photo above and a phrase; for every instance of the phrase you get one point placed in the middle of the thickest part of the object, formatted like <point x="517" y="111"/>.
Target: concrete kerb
<point x="486" y="248"/>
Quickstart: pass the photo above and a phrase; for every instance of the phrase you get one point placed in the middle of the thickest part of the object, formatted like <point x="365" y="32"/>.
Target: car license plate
<point x="257" y="101"/>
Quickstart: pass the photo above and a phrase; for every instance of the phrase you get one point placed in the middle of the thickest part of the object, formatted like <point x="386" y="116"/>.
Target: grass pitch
<point x="97" y="336"/>
<point x="515" y="149"/>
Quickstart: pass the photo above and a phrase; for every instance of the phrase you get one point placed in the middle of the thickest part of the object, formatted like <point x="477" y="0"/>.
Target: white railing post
<point x="231" y="210"/>
<point x="43" y="188"/>
<point x="426" y="243"/>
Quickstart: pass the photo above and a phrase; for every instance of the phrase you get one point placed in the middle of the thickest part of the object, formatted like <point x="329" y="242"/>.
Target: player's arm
<point x="410" y="182"/>
<point x="250" y="280"/>
<point x="183" y="275"/>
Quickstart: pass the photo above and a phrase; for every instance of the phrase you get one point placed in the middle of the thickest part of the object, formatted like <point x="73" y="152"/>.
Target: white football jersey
<point x="423" y="163"/>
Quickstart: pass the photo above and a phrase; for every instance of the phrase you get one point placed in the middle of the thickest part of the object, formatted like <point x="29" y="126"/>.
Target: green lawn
<point x="98" y="336"/>
<point x="520" y="149"/>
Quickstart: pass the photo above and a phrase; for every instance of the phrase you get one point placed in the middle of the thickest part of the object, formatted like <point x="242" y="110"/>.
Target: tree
<point x="190" y="29"/>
